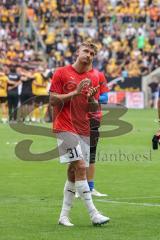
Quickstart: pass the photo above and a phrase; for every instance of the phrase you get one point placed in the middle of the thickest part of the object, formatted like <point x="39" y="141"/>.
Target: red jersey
<point x="103" y="88"/>
<point x="72" y="116"/>
<point x="103" y="83"/>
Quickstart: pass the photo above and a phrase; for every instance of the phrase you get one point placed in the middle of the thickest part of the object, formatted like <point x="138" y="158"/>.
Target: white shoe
<point x="33" y="119"/>
<point x="65" y="221"/>
<point x="27" y="119"/>
<point x="98" y="219"/>
<point x="157" y="120"/>
<point x="77" y="195"/>
<point x="94" y="192"/>
<point x="4" y="120"/>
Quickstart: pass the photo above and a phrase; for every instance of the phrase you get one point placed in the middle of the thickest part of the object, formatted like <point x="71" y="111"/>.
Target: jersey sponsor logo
<point x="69" y="87"/>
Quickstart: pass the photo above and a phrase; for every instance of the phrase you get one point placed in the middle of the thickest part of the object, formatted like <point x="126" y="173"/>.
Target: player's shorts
<point x="41" y="99"/>
<point x="153" y="96"/>
<point x="26" y="99"/>
<point x="73" y="147"/>
<point x="3" y="99"/>
<point x="94" y="136"/>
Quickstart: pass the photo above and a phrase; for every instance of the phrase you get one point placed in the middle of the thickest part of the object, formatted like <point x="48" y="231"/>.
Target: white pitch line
<point x="130" y="203"/>
<point x="11" y="143"/>
<point x="128" y="198"/>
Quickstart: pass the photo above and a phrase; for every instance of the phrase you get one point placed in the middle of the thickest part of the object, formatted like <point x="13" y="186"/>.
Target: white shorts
<point x="73" y="147"/>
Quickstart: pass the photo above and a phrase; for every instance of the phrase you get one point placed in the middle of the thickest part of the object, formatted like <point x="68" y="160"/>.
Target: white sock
<point x="69" y="194"/>
<point x="83" y="189"/>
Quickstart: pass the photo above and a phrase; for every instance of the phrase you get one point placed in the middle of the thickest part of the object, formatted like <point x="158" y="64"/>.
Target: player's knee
<point x="71" y="173"/>
<point x="92" y="155"/>
<point x="71" y="170"/>
<point x="81" y="168"/>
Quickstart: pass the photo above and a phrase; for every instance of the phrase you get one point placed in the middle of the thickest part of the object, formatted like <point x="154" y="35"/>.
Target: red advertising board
<point x="133" y="100"/>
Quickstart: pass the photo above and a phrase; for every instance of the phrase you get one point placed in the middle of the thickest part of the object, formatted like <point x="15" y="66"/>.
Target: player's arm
<point x="10" y="82"/>
<point x="57" y="95"/>
<point x="103" y="98"/>
<point x="26" y="76"/>
<point x="93" y="103"/>
<point x="1" y="73"/>
<point x="13" y="84"/>
<point x="57" y="98"/>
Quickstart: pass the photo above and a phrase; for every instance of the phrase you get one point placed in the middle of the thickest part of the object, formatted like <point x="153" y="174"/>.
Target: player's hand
<point x="2" y="74"/>
<point x="82" y="85"/>
<point x="92" y="91"/>
<point x="10" y="88"/>
<point x="16" y="84"/>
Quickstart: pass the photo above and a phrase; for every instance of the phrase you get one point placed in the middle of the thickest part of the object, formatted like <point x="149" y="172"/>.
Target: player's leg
<point x="90" y="175"/>
<point x="70" y="151"/>
<point x="74" y="150"/>
<point x="15" y="106"/>
<point x="23" y="107"/>
<point x="82" y="186"/>
<point x="66" y="142"/>
<point x="158" y="106"/>
<point x="0" y="106"/>
<point x="68" y="197"/>
<point x="94" y="137"/>
<point x="44" y="107"/>
<point x="91" y="168"/>
<point x="10" y="107"/>
<point x="3" y="102"/>
<point x="49" y="113"/>
<point x="36" y="111"/>
<point x="28" y="107"/>
<point x="94" y="134"/>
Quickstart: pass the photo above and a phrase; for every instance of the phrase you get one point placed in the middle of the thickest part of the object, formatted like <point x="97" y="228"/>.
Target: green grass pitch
<point x="31" y="192"/>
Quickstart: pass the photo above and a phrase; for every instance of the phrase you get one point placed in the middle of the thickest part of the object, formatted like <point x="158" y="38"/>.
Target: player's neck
<point x="81" y="68"/>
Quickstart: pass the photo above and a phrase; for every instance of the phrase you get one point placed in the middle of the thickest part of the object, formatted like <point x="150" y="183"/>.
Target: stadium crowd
<point x="22" y="76"/>
<point x="127" y="34"/>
